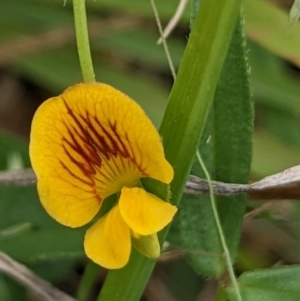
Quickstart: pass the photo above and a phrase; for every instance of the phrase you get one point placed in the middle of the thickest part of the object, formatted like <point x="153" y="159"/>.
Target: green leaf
<point x="140" y="46"/>
<point x="133" y="7"/>
<point x="9" y="145"/>
<point x="19" y="206"/>
<point x="226" y="149"/>
<point x="276" y="91"/>
<point x="273" y="31"/>
<point x="270" y="155"/>
<point x="11" y="290"/>
<point x="276" y="284"/>
<point x="59" y="68"/>
<point x="4" y="290"/>
<point x="40" y="241"/>
<point x="21" y="18"/>
<point x="274" y="85"/>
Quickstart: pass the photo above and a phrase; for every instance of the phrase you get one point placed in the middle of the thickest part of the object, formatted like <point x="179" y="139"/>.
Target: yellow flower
<point x="90" y="142"/>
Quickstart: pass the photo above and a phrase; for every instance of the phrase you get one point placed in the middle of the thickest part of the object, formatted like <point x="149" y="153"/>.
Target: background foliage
<point x="38" y="59"/>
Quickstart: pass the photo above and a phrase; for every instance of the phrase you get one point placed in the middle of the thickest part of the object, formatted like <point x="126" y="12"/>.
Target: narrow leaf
<point x="226" y="147"/>
<point x="269" y="27"/>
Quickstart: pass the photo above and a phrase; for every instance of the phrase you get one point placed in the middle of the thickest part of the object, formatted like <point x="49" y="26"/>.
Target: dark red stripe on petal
<point x="94" y="146"/>
<point x="85" y="167"/>
<point x="65" y="167"/>
<point x="87" y="149"/>
<point x="124" y="150"/>
<point x="100" y="144"/>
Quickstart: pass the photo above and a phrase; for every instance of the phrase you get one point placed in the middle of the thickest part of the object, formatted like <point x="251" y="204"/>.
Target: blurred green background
<point x="38" y="59"/>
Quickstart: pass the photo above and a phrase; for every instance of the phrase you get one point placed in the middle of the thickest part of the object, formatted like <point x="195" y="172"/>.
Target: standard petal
<point x="144" y="212"/>
<point x="59" y="159"/>
<point x="108" y="241"/>
<point x="90" y="142"/>
<point x="119" y="127"/>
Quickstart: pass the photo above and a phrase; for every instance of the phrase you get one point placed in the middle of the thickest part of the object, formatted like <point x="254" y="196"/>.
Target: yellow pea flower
<point x="90" y="142"/>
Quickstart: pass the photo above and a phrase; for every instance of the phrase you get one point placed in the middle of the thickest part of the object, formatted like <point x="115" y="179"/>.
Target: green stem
<point x="182" y="126"/>
<point x="82" y="38"/>
<point x="87" y="70"/>
<point x="128" y="283"/>
<point x="220" y="230"/>
<point x="87" y="281"/>
<point x="171" y="65"/>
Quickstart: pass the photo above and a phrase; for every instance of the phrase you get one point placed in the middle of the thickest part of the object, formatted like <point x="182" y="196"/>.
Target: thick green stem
<point x="87" y="281"/>
<point x="82" y="38"/>
<point x="183" y="123"/>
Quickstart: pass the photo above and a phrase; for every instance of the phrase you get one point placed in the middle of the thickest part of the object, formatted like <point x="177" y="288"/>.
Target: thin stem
<point x="174" y="20"/>
<point x="163" y="39"/>
<point x="220" y="230"/>
<point x="82" y="38"/>
<point x="87" y="281"/>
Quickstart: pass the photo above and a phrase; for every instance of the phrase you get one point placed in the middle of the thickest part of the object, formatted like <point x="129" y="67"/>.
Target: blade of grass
<point x="183" y="123"/>
<point x="228" y="260"/>
<point x="87" y="281"/>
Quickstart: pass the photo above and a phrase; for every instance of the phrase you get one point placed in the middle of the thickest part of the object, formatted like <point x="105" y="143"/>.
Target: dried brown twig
<point x="12" y="50"/>
<point x="282" y="185"/>
<point x="22" y="177"/>
<point x="41" y="288"/>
